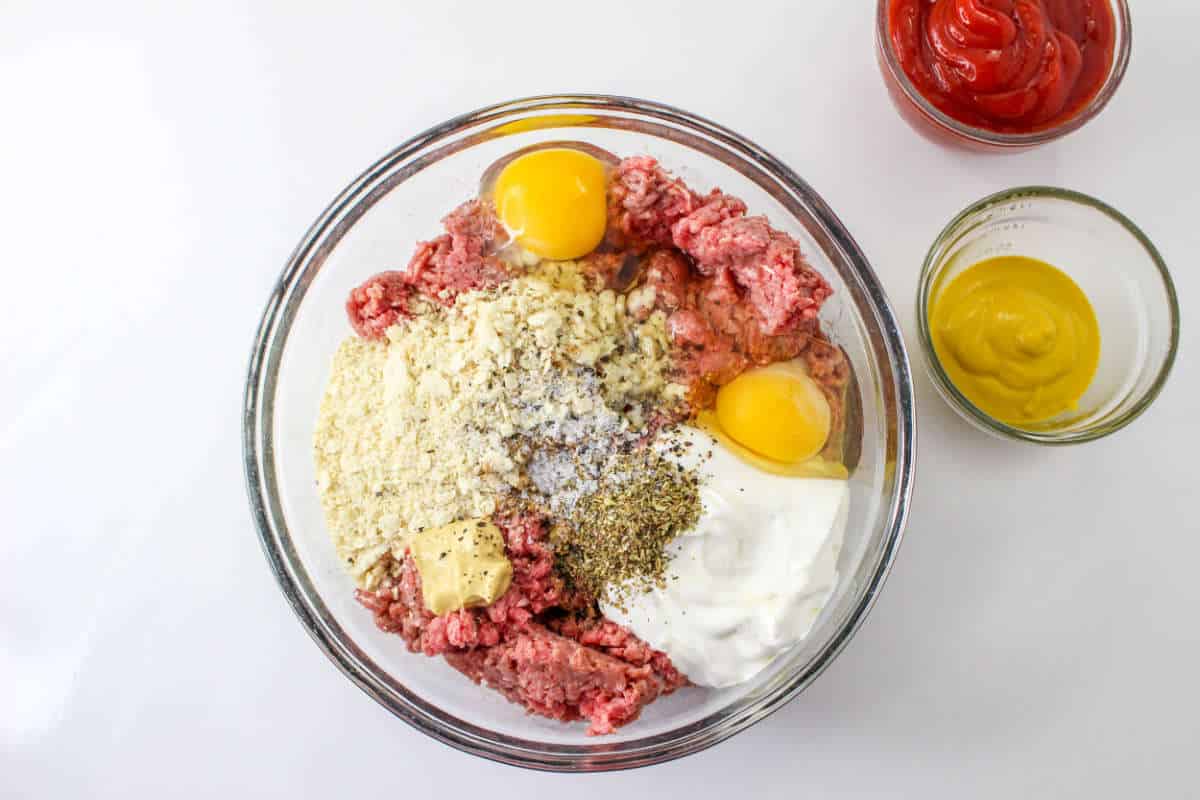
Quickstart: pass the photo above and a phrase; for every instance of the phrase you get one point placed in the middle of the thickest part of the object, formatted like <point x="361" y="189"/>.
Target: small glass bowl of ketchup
<point x="1001" y="74"/>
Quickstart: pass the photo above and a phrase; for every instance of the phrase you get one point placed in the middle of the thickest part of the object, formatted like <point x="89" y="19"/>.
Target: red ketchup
<point x="1009" y="66"/>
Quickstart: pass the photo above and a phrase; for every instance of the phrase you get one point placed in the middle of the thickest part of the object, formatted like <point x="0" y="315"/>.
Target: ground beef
<point x="717" y="332"/>
<point x="460" y="260"/>
<point x="379" y="303"/>
<point x="644" y="202"/>
<point x="781" y="288"/>
<point x="736" y="292"/>
<point x="463" y="258"/>
<point x="610" y="638"/>
<point x="616" y="270"/>
<point x="827" y="363"/>
<point x="588" y="668"/>
<point x="564" y="679"/>
<point x="716" y="209"/>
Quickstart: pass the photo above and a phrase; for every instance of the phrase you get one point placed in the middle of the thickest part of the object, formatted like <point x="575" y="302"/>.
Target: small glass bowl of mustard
<point x="1046" y="316"/>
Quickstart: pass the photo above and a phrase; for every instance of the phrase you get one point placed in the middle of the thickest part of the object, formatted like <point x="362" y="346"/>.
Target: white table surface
<point x="1037" y="638"/>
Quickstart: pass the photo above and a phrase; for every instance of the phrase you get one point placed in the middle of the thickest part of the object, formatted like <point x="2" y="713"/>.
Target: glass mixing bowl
<point x="372" y="226"/>
<point x="1115" y="265"/>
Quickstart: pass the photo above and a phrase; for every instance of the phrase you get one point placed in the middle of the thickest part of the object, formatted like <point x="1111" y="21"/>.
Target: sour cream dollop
<point x="749" y="581"/>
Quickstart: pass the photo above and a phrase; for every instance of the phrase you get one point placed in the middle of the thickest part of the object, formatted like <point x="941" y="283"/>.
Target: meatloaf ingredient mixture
<point x="434" y="423"/>
<point x="737" y="291"/>
<point x="487" y="386"/>
<point x="582" y="669"/>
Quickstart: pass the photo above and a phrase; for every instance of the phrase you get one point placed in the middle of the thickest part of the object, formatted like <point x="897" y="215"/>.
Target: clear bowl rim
<point x="996" y="139"/>
<point x="257" y="454"/>
<point x="981" y="418"/>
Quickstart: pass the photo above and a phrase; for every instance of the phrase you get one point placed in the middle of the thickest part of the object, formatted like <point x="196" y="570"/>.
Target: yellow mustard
<point x="1018" y="337"/>
<point x="461" y="564"/>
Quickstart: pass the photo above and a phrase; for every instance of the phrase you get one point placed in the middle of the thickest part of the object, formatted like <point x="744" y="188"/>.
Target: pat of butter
<point x="461" y="565"/>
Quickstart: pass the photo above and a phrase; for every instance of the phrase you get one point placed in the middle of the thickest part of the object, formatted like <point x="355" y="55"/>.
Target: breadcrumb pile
<point x="435" y="422"/>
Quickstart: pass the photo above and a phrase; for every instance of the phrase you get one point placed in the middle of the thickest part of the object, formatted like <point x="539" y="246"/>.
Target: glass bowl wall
<point x="373" y="225"/>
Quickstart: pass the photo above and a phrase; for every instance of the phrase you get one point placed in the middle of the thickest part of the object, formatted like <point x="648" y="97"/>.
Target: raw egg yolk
<point x="553" y="202"/>
<point x="776" y="411"/>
